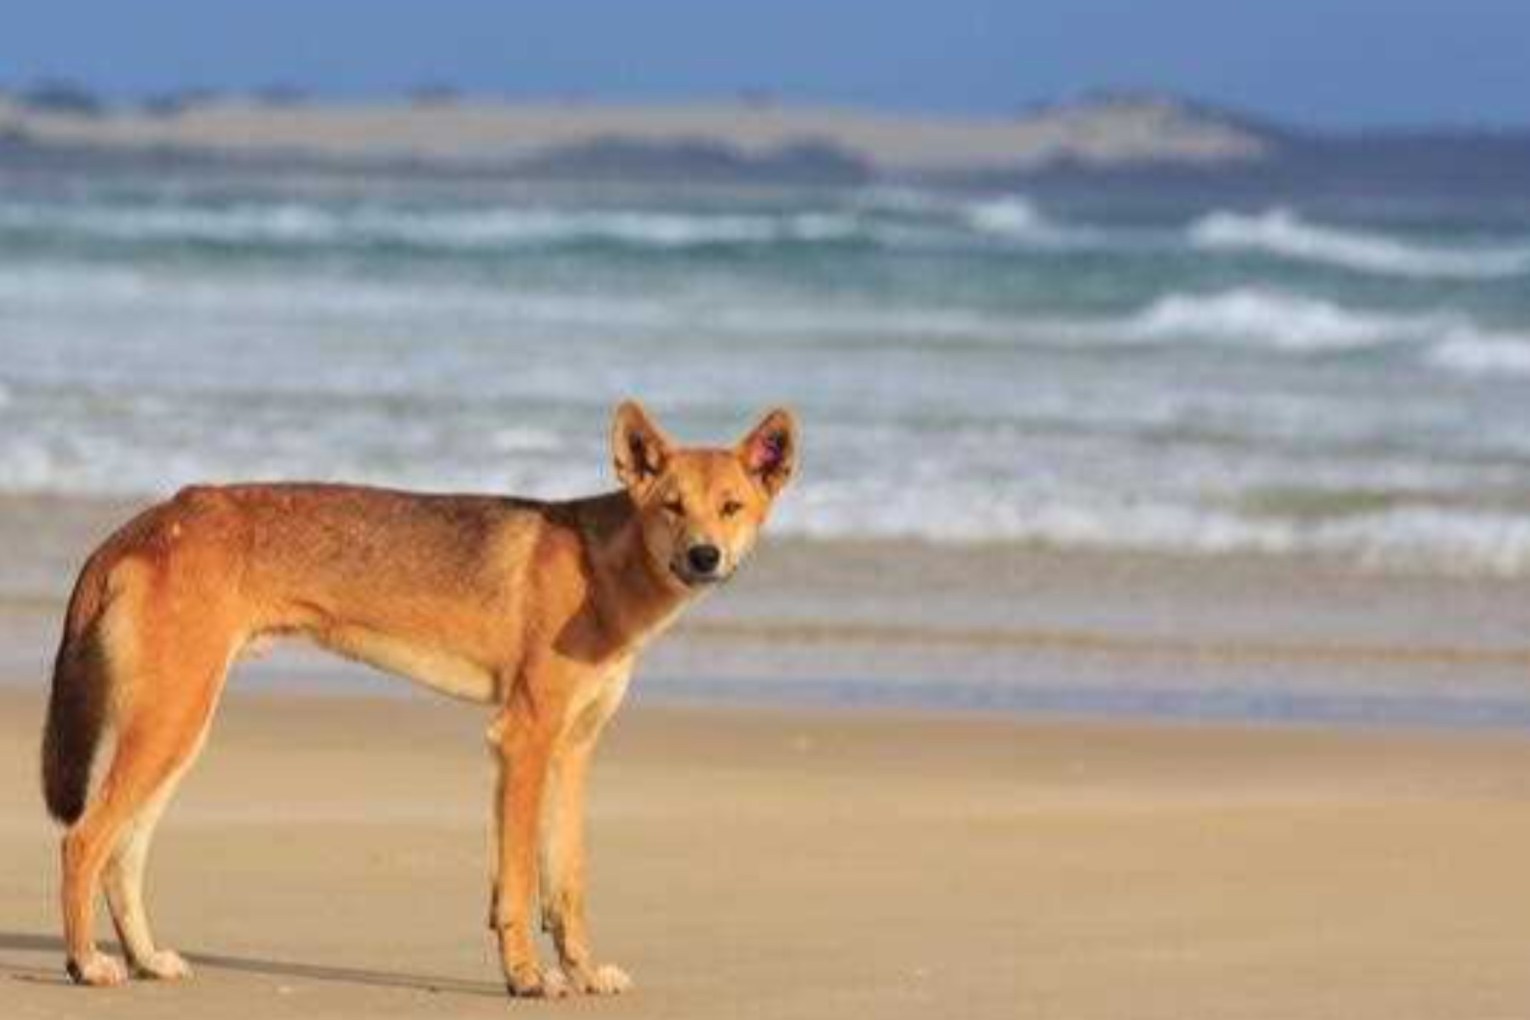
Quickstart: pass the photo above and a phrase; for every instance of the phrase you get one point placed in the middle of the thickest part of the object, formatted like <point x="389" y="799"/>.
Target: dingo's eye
<point x="731" y="507"/>
<point x="674" y="506"/>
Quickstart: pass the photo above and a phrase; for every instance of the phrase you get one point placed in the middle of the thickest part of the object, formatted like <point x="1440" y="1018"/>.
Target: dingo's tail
<point x="79" y="704"/>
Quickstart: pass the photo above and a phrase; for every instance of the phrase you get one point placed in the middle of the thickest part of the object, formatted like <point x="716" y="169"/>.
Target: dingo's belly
<point x="436" y="668"/>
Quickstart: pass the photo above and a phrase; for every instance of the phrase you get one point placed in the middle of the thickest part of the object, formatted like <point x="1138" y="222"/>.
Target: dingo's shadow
<point x="52" y="972"/>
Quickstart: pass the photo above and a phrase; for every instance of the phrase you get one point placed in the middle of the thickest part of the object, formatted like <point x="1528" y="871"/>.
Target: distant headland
<point x="1142" y="140"/>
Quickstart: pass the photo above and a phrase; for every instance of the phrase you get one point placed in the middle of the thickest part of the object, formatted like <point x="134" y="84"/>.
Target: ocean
<point x="1321" y="378"/>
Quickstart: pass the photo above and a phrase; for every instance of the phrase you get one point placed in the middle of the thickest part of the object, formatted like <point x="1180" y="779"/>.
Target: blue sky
<point x="1322" y="62"/>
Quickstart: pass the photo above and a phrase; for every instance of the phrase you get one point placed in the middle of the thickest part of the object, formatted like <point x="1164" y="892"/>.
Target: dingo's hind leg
<point x="167" y="701"/>
<point x="114" y="836"/>
<point x="123" y="880"/>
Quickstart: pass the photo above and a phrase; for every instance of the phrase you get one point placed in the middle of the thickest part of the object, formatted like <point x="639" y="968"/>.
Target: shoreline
<point x="1013" y="631"/>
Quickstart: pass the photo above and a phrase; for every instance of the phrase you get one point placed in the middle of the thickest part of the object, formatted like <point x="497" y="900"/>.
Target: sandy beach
<point x="327" y="859"/>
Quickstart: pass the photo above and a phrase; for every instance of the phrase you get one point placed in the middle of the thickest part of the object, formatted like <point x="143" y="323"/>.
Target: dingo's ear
<point x="769" y="453"/>
<point x="638" y="445"/>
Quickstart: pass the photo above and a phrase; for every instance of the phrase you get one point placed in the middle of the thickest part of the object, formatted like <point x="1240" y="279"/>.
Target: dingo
<point x="537" y="608"/>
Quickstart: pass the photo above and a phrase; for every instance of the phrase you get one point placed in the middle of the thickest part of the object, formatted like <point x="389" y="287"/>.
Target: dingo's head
<point x="701" y="508"/>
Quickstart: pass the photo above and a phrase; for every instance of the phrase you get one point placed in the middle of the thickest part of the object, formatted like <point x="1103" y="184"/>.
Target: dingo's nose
<point x="704" y="558"/>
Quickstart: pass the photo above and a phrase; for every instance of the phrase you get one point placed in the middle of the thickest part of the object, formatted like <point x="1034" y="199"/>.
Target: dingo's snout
<point x="703" y="559"/>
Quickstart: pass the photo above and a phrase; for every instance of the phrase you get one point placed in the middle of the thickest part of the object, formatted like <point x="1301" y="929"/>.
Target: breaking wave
<point x="1014" y="217"/>
<point x="1282" y="233"/>
<point x="1268" y="318"/>
<point x="1295" y="324"/>
<point x="1419" y="537"/>
<point x="1407" y="536"/>
<point x="885" y="217"/>
<point x="307" y="225"/>
<point x="1478" y="354"/>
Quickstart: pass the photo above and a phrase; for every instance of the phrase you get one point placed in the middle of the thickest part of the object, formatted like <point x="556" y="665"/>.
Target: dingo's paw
<point x="606" y="979"/>
<point x="164" y="965"/>
<point x="533" y="982"/>
<point x="97" y="971"/>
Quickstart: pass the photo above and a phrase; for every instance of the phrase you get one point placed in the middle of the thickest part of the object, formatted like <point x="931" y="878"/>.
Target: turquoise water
<point x="1345" y="380"/>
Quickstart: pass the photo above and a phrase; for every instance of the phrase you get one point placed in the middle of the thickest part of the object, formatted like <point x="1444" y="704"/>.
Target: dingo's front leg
<point x="563" y="849"/>
<point x="563" y="898"/>
<point x="523" y="742"/>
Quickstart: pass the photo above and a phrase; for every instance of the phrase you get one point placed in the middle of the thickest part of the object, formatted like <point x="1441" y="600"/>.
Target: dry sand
<point x="327" y="859"/>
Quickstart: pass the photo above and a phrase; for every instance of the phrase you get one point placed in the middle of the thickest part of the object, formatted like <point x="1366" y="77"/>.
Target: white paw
<point x="532" y="982"/>
<point x="164" y="965"/>
<point x="97" y="970"/>
<point x="606" y="979"/>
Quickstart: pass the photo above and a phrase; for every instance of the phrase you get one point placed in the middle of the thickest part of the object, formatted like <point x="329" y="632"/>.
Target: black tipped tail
<point x="76" y="719"/>
<point x="79" y="703"/>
